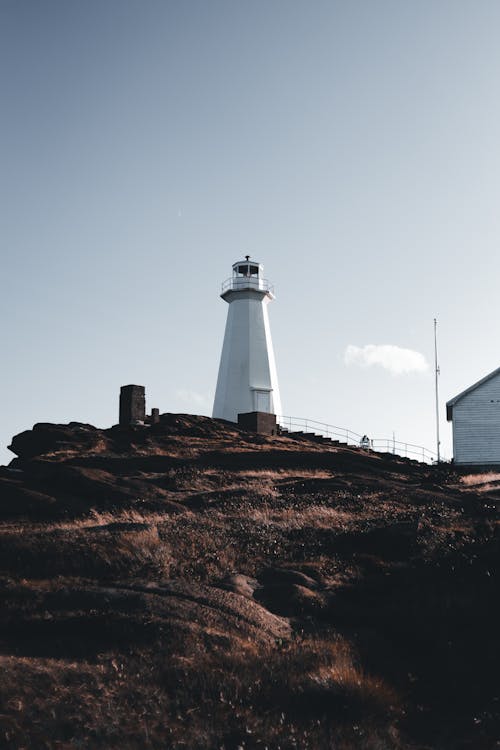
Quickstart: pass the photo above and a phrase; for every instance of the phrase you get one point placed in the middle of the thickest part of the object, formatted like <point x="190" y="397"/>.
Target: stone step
<point x="312" y="436"/>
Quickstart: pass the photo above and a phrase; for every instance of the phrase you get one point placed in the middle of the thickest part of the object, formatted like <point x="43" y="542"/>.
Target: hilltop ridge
<point x="191" y="584"/>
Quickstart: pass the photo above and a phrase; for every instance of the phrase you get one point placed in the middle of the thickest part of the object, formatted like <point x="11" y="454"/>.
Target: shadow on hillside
<point x="431" y="630"/>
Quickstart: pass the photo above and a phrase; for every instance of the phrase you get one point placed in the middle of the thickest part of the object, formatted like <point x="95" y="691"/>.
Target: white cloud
<point x="396" y="360"/>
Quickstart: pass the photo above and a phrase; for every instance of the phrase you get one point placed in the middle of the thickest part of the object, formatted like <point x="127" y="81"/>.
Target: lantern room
<point x="247" y="274"/>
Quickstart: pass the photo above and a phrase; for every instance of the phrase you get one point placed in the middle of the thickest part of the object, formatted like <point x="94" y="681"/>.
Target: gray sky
<point x="351" y="147"/>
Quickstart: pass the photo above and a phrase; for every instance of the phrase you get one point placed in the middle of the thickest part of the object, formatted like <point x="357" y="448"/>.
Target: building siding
<point x="476" y="425"/>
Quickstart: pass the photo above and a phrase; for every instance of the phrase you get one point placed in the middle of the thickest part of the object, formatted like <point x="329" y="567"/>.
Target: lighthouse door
<point x="262" y="401"/>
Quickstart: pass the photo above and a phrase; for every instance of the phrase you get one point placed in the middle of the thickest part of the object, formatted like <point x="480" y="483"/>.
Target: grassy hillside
<point x="190" y="585"/>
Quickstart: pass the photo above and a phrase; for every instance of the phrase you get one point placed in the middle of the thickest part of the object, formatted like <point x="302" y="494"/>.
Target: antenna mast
<point x="437" y="372"/>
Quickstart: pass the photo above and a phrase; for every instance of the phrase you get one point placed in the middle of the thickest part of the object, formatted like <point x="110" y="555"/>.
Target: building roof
<point x="451" y="403"/>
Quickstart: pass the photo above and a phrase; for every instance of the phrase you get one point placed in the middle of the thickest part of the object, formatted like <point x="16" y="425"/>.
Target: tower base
<point x="258" y="421"/>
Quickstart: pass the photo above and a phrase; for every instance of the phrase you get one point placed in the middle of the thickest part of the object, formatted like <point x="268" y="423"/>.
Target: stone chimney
<point x="132" y="404"/>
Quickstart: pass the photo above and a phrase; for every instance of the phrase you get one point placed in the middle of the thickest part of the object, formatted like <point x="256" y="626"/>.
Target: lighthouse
<point x="247" y="378"/>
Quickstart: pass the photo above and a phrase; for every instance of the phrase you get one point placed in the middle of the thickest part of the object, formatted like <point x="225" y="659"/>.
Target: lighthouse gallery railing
<point x="342" y="434"/>
<point x="237" y="283"/>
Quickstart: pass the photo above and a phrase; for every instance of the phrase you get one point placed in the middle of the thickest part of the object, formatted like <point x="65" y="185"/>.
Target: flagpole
<point x="437" y="372"/>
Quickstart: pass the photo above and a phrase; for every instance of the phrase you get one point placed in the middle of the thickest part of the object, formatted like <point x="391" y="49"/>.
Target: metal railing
<point x="408" y="450"/>
<point x="342" y="434"/>
<point x="239" y="283"/>
<point x="319" y="428"/>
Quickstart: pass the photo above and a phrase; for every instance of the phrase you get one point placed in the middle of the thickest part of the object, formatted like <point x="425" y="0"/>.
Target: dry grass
<point x="302" y="694"/>
<point x="104" y="518"/>
<point x="315" y="516"/>
<point x="141" y="551"/>
<point x="341" y="674"/>
<point x="101" y="552"/>
<point x="481" y="481"/>
<point x="277" y="474"/>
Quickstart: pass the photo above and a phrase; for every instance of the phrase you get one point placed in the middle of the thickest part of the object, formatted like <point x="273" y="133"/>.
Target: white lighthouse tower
<point x="247" y="372"/>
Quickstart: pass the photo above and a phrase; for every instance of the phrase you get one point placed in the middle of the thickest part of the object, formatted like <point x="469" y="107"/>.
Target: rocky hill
<point x="192" y="585"/>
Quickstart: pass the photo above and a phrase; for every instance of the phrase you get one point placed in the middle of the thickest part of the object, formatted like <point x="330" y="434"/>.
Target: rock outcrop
<point x="190" y="584"/>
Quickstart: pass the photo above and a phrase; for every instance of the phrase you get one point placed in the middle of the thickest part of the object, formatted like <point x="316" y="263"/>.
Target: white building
<point x="247" y="378"/>
<point x="475" y="416"/>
